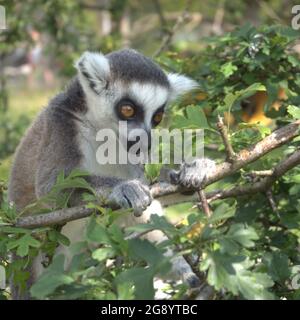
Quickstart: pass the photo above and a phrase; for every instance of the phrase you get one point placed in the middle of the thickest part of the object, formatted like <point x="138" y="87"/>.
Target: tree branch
<point x="260" y="186"/>
<point x="55" y="217"/>
<point x="246" y="156"/>
<point x="276" y="139"/>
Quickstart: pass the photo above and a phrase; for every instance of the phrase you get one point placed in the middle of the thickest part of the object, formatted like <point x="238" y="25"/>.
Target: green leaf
<point x="223" y="211"/>
<point x="161" y="223"/>
<point x="78" y="173"/>
<point x="293" y="61"/>
<point x="272" y="89"/>
<point x="58" y="237"/>
<point x="291" y="220"/>
<point x="152" y="171"/>
<point x="243" y="235"/>
<point x="96" y="232"/>
<point x="117" y="239"/>
<point x="253" y="285"/>
<point x="103" y="254"/>
<point x="263" y="130"/>
<point x="70" y="183"/>
<point x="294" y="111"/>
<point x="145" y="250"/>
<point x="228" y="69"/>
<point x="116" y="233"/>
<point x="8" y="211"/>
<point x="23" y="244"/>
<point x="194" y="119"/>
<point x="141" y="227"/>
<point x="156" y="223"/>
<point x="141" y="278"/>
<point x="52" y="278"/>
<point x="228" y="246"/>
<point x="234" y="274"/>
<point x="288" y="32"/>
<point x="244" y="31"/>
<point x="8" y="229"/>
<point x="278" y="265"/>
<point x="231" y="98"/>
<point x="125" y="291"/>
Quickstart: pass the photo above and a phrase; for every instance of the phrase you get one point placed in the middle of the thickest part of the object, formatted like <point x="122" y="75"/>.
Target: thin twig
<point x="136" y="235"/>
<point x="168" y="38"/>
<point x="272" y="202"/>
<point x="204" y="203"/>
<point x="231" y="156"/>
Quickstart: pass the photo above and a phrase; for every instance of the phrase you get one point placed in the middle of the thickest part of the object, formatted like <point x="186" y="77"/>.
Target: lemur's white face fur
<point x="125" y="85"/>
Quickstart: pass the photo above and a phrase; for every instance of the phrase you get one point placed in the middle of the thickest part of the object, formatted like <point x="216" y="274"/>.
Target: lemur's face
<point x="126" y="86"/>
<point x="142" y="106"/>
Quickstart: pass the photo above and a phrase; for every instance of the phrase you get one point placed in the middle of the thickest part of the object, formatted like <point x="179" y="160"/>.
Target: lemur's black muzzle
<point x="140" y="142"/>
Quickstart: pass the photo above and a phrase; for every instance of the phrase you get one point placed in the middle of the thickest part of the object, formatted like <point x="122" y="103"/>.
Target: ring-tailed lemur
<point x="123" y="85"/>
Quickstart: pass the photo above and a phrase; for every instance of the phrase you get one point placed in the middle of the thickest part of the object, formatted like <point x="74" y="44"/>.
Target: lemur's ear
<point x="180" y="85"/>
<point x="93" y="70"/>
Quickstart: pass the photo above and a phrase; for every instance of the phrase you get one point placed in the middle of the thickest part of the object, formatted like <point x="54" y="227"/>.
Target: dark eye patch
<point x="159" y="111"/>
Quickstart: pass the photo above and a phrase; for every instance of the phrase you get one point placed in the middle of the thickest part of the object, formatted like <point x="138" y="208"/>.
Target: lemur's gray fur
<point x="63" y="138"/>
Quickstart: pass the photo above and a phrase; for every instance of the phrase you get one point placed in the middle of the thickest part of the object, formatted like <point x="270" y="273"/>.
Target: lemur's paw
<point x="191" y="175"/>
<point x="132" y="194"/>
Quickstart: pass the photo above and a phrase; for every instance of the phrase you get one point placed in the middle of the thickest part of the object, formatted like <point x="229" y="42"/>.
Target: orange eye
<point x="158" y="117"/>
<point x="127" y="111"/>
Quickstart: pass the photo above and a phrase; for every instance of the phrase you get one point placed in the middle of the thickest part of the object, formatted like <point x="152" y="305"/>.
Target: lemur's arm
<point x="124" y="193"/>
